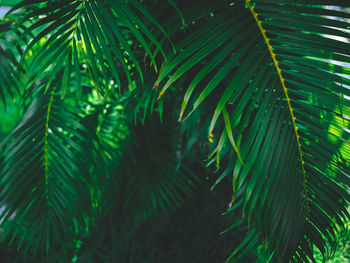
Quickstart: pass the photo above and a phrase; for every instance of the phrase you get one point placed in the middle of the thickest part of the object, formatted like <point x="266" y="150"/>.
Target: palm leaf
<point x="42" y="183"/>
<point x="103" y="35"/>
<point x="273" y="73"/>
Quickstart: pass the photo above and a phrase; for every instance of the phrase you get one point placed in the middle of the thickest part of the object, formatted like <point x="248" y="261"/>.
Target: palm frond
<point x="281" y="99"/>
<point x="42" y="183"/>
<point x="101" y="35"/>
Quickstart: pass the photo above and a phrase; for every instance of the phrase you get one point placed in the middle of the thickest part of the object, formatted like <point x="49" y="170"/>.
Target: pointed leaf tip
<point x="156" y="85"/>
<point x="181" y="115"/>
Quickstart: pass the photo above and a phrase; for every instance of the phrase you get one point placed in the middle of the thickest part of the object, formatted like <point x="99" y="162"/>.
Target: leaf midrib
<point x="282" y="80"/>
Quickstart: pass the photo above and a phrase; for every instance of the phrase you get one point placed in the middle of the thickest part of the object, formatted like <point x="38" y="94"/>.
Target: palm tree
<point x="261" y="87"/>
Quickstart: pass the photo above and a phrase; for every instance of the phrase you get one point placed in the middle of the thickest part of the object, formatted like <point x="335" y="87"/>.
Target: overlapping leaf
<point x="101" y="36"/>
<point x="281" y="100"/>
<point x="44" y="175"/>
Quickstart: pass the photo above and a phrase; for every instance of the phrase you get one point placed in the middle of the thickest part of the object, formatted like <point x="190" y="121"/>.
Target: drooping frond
<point x="108" y="38"/>
<point x="275" y="72"/>
<point x="44" y="175"/>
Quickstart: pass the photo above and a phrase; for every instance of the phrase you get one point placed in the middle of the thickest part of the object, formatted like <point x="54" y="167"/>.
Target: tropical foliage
<point x="261" y="89"/>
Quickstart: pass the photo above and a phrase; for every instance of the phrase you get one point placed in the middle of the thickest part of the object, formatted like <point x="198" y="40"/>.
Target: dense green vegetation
<point x="129" y="127"/>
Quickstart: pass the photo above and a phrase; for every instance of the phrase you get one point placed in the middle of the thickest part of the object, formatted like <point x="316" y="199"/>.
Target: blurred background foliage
<point x="190" y="234"/>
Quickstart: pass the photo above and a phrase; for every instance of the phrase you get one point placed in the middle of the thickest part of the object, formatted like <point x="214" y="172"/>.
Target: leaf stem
<point x="285" y="90"/>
